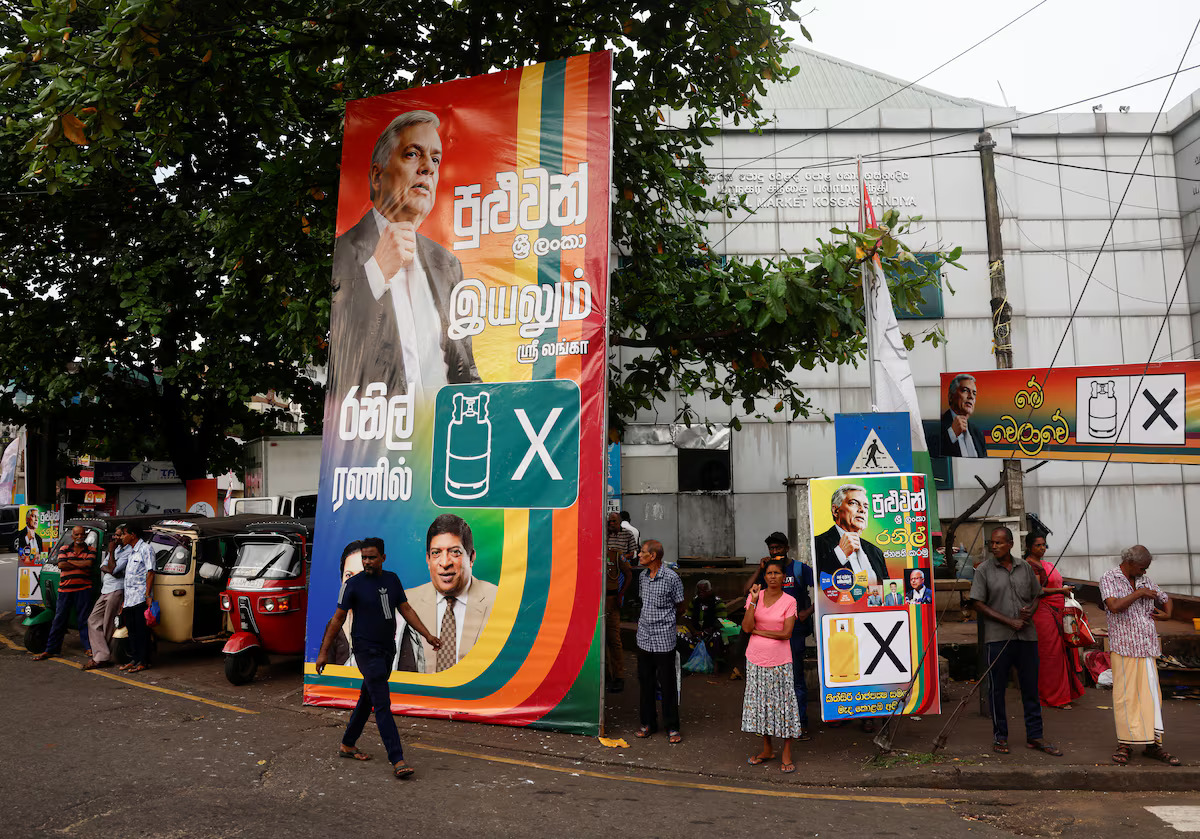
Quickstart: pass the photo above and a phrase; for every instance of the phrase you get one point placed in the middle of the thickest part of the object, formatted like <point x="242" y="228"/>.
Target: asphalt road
<point x="171" y="755"/>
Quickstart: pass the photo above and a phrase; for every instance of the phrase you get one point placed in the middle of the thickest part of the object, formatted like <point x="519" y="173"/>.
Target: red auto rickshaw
<point x="267" y="596"/>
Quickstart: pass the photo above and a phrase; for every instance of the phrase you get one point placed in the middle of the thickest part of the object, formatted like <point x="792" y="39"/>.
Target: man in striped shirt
<point x="75" y="563"/>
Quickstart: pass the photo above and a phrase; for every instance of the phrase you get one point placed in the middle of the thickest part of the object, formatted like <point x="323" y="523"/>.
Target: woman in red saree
<point x="1058" y="665"/>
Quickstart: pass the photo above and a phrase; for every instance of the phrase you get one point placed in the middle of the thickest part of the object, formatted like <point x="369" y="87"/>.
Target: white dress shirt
<point x="857" y="561"/>
<point x="424" y="361"/>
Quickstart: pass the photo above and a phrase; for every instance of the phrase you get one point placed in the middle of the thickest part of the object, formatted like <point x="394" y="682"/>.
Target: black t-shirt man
<point x="374" y="599"/>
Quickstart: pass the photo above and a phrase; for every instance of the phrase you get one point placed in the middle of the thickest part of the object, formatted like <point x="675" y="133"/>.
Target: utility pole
<point x="1014" y="484"/>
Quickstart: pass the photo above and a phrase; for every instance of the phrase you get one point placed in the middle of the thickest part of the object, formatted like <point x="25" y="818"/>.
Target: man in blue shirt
<point x="374" y="595"/>
<point x="661" y="592"/>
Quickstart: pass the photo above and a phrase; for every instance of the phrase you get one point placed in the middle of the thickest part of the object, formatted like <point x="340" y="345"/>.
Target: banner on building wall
<point x="875" y="618"/>
<point x="202" y="496"/>
<point x="35" y="539"/>
<point x="467" y="377"/>
<point x="1136" y="413"/>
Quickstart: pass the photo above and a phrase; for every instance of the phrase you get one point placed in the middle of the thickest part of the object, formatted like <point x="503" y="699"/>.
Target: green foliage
<point x="170" y="172"/>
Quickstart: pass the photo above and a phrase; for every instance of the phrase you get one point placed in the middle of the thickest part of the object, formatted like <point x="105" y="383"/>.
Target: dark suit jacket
<point x="364" y="345"/>
<point x="942" y="447"/>
<point x="827" y="561"/>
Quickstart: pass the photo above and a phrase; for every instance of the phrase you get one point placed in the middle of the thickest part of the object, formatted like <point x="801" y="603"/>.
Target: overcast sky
<point x="1063" y="51"/>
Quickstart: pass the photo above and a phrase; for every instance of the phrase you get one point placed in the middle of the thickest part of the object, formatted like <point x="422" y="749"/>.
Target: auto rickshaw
<point x="193" y="558"/>
<point x="267" y="597"/>
<point x="99" y="532"/>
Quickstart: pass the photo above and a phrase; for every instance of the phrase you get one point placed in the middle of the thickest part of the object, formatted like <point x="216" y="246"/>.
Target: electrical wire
<point x="1062" y="165"/>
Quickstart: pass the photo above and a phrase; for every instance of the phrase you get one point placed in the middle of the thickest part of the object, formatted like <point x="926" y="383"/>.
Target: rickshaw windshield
<point x="267" y="561"/>
<point x="172" y="555"/>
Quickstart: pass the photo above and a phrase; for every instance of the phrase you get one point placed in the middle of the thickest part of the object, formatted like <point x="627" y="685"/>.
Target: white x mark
<point x="538" y="440"/>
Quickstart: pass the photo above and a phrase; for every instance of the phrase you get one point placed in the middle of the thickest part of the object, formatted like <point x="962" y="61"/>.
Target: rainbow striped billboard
<point x="467" y="377"/>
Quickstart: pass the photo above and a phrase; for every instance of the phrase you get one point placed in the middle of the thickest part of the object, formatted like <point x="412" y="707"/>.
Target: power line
<point x="1059" y="163"/>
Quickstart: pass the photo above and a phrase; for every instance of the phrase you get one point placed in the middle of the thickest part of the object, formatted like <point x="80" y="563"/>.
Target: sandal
<point x="1043" y="746"/>
<point x="41" y="656"/>
<point x="787" y="768"/>
<point x="644" y="732"/>
<point x="804" y="735"/>
<point x="354" y="754"/>
<point x="674" y="738"/>
<point x="1000" y="747"/>
<point x="403" y="771"/>
<point x="1122" y="754"/>
<point x="138" y="668"/>
<point x="758" y="760"/>
<point x="1156" y="752"/>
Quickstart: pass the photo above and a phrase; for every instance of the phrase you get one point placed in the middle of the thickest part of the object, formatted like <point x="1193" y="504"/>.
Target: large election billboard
<point x="1129" y="413"/>
<point x="467" y="378"/>
<point x="876" y="625"/>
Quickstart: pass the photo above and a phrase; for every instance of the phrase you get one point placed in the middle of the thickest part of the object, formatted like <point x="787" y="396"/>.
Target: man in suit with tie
<point x="454" y="602"/>
<point x="893" y="597"/>
<point x="920" y="592"/>
<point x="958" y="438"/>
<point x="841" y="546"/>
<point x="391" y="284"/>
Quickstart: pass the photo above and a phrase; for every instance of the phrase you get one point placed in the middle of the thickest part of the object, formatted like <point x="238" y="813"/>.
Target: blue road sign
<point x="868" y="443"/>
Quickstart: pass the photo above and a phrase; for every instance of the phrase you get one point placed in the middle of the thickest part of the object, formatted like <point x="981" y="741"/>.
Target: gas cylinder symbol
<point x="1102" y="410"/>
<point x="469" y="447"/>
<point x="843" y="652"/>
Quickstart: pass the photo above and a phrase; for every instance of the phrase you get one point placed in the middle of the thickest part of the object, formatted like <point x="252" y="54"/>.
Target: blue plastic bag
<point x="700" y="661"/>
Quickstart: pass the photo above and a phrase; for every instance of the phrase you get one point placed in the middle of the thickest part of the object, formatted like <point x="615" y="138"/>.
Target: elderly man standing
<point x="1005" y="592"/>
<point x="620" y="547"/>
<point x="101" y="623"/>
<point x="661" y="591"/>
<point x="1132" y="601"/>
<point x="75" y="563"/>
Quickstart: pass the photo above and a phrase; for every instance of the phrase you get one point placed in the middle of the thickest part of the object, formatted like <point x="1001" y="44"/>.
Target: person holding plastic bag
<point x="139" y="594"/>
<point x="769" y="707"/>
<point x="1058" y="663"/>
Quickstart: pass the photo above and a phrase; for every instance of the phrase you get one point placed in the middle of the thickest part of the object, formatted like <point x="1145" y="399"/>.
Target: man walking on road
<point x="101" y="622"/>
<point x="74" y="593"/>
<point x="374" y="595"/>
<point x="1005" y="592"/>
<point x="661" y="591"/>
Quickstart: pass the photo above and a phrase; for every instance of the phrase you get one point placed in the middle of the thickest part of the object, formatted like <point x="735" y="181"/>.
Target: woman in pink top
<point x="769" y="707"/>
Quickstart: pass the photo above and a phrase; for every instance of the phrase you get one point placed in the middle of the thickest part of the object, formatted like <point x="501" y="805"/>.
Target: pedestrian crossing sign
<point x="872" y="443"/>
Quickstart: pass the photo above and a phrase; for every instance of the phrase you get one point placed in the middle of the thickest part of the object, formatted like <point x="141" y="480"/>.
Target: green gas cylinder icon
<point x="469" y="447"/>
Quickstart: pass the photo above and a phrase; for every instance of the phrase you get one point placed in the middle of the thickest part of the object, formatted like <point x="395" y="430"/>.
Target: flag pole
<point x="866" y="285"/>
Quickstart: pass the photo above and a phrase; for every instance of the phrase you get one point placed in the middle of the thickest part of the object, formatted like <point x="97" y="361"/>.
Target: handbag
<point x="1076" y="631"/>
<point x="153" y="613"/>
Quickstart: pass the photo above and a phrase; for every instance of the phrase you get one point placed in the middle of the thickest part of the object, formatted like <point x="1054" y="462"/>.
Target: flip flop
<point x="644" y="732"/>
<point x="787" y="768"/>
<point x="353" y="754"/>
<point x="138" y="668"/>
<point x="1000" y="747"/>
<point x="674" y="738"/>
<point x="1043" y="746"/>
<point x="804" y="735"/>
<point x="92" y="664"/>
<point x="403" y="771"/>
<point x="758" y="760"/>
<point x="41" y="656"/>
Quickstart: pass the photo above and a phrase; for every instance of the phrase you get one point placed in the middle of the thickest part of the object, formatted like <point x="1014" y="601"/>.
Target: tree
<point x="171" y="169"/>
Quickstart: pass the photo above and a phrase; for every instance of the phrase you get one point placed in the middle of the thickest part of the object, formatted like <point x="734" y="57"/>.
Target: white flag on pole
<point x="894" y="389"/>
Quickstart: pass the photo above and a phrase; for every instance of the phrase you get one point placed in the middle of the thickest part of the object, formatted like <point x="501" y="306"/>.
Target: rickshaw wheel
<point x="36" y="637"/>
<point x="241" y="667"/>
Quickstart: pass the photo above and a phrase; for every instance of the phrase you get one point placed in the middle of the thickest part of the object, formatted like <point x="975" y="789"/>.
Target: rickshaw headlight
<point x="226" y="604"/>
<point x="268" y="605"/>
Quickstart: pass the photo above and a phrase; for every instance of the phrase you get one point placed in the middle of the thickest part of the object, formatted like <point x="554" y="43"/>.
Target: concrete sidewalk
<point x="715" y="747"/>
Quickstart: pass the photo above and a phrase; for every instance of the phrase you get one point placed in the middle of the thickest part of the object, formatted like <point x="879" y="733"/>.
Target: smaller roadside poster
<point x="875" y="614"/>
<point x="35" y="539"/>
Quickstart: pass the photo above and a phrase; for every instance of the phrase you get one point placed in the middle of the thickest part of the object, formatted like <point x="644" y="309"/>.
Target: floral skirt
<point x="770" y="705"/>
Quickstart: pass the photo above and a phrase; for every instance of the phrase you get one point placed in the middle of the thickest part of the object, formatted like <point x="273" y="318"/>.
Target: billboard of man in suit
<point x="454" y="603"/>
<point x="391" y="284"/>
<point x="956" y="436"/>
<point x="842" y="545"/>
